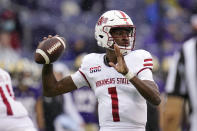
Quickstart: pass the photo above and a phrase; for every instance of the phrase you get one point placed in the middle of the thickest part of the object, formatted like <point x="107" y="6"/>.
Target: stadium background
<point x="162" y="26"/>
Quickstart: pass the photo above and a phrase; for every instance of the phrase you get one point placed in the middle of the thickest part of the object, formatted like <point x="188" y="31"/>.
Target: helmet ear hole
<point x="101" y="36"/>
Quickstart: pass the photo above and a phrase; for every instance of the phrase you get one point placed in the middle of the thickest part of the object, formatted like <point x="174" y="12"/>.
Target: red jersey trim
<point x="6" y="102"/>
<point x="145" y="60"/>
<point x="148" y="64"/>
<point x="85" y="78"/>
<point x="143" y="69"/>
<point x="9" y="92"/>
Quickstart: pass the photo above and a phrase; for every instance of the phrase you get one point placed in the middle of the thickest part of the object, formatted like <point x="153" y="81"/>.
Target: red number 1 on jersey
<point x="115" y="109"/>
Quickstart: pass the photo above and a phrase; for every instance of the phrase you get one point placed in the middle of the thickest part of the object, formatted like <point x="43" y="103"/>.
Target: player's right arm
<point x="52" y="87"/>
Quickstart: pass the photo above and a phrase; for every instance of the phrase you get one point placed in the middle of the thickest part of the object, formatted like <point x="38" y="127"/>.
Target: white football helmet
<point x="109" y="20"/>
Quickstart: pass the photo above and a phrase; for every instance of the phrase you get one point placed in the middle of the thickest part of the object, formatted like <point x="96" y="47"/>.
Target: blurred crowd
<point x="161" y="26"/>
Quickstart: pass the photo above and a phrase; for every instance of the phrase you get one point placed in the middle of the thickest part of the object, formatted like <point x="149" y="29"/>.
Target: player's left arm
<point x="148" y="89"/>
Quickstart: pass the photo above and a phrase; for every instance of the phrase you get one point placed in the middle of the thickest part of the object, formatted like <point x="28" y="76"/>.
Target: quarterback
<point x="121" y="78"/>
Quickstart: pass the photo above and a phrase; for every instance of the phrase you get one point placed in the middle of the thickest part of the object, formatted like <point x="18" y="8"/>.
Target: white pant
<point x="16" y="124"/>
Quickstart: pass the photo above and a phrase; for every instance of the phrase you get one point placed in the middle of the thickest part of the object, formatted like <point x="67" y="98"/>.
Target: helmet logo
<point x="102" y="20"/>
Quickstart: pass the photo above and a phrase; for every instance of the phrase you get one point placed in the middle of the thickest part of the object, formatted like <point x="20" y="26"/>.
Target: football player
<point x="13" y="115"/>
<point x="121" y="78"/>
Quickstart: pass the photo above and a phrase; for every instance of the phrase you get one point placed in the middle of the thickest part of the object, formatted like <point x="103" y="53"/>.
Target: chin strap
<point x="123" y="52"/>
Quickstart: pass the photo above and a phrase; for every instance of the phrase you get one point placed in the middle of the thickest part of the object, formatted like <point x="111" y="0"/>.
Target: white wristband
<point x="129" y="75"/>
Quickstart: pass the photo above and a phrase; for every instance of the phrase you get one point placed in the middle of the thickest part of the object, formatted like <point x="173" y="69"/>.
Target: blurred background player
<point x="60" y="111"/>
<point x="181" y="107"/>
<point x="13" y="115"/>
<point x="27" y="90"/>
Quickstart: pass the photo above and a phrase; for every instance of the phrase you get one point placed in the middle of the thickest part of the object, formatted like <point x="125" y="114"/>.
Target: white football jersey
<point x="119" y="102"/>
<point x="8" y="105"/>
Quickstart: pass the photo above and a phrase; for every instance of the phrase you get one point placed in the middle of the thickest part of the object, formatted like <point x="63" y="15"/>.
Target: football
<point x="50" y="50"/>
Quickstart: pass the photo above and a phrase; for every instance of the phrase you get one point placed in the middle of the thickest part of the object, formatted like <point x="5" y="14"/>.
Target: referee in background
<point x="181" y="108"/>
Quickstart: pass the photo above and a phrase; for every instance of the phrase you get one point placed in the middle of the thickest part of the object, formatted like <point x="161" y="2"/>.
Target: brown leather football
<point x="50" y="50"/>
